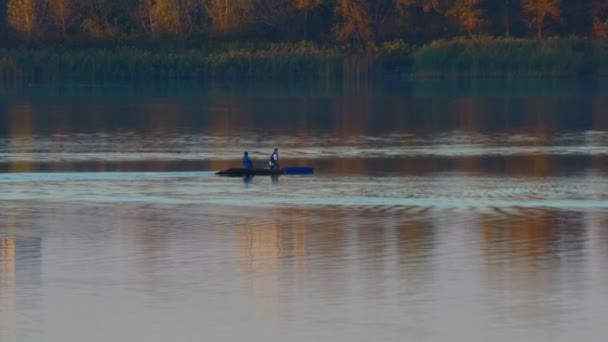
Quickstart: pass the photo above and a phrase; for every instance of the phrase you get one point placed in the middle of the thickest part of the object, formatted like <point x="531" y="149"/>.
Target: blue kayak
<point x="292" y="170"/>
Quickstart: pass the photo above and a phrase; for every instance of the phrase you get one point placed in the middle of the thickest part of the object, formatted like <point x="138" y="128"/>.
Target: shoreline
<point x="502" y="59"/>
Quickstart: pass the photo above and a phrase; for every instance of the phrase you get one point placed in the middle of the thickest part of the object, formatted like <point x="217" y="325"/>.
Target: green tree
<point x="24" y="15"/>
<point x="468" y="15"/>
<point x="538" y="11"/>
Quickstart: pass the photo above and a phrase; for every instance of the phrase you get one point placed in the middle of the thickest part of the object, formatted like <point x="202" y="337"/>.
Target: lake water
<point x="438" y="211"/>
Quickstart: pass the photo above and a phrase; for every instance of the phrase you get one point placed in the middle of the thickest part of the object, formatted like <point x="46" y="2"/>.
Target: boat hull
<point x="239" y="172"/>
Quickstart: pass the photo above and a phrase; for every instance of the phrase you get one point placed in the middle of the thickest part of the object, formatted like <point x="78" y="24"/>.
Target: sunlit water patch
<point x="129" y="146"/>
<point x="442" y="190"/>
<point x="466" y="215"/>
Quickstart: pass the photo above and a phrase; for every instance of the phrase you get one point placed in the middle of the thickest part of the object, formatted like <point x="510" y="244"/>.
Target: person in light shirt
<point x="274" y="159"/>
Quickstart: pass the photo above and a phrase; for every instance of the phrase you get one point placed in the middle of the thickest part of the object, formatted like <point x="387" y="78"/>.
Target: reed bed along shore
<point x="548" y="58"/>
<point x="481" y="58"/>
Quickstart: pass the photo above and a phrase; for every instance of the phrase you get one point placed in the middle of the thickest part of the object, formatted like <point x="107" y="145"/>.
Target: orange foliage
<point x="354" y="23"/>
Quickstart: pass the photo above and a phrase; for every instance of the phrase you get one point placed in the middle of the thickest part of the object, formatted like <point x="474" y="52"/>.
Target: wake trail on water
<point x="76" y="176"/>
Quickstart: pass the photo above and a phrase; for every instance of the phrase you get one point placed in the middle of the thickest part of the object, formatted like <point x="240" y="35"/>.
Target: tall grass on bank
<point x="232" y="61"/>
<point x="284" y="61"/>
<point x="553" y="57"/>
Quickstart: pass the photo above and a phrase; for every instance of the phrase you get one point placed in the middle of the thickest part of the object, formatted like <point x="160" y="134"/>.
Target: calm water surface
<point x="438" y="212"/>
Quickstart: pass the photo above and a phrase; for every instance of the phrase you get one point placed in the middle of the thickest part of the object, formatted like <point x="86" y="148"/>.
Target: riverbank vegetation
<point x="301" y="39"/>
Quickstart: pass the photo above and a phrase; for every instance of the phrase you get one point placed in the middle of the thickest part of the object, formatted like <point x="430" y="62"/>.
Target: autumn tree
<point x="439" y="6"/>
<point x="228" y="16"/>
<point x="24" y="16"/>
<point x="467" y="14"/>
<point x="353" y="21"/>
<point x="598" y="10"/>
<point x="433" y="23"/>
<point x="538" y="11"/>
<point x="175" y="17"/>
<point x="62" y="14"/>
<point x="106" y="18"/>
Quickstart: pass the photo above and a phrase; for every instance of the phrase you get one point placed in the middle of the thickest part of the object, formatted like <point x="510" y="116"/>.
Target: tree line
<point x="350" y="22"/>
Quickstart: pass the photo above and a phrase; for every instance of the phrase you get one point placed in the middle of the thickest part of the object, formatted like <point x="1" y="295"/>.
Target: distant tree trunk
<point x="306" y="6"/>
<point x="306" y="24"/>
<point x="382" y="14"/>
<point x="62" y="14"/>
<point x="507" y="18"/>
<point x="228" y="16"/>
<point x="145" y="15"/>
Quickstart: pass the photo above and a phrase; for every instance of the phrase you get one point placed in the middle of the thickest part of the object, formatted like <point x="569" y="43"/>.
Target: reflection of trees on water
<point x="60" y="127"/>
<point x="416" y="245"/>
<point x="257" y="119"/>
<point x="21" y="131"/>
<point x="468" y="114"/>
<point x="541" y="128"/>
<point x="603" y="232"/>
<point x="228" y="118"/>
<point x="161" y="122"/>
<point x="351" y="119"/>
<point x="600" y="124"/>
<point x="532" y="259"/>
<point x="528" y="257"/>
<point x="260" y="246"/>
<point x="20" y="275"/>
<point x="598" y="109"/>
<point x="8" y="291"/>
<point x="333" y="255"/>
<point x="147" y="232"/>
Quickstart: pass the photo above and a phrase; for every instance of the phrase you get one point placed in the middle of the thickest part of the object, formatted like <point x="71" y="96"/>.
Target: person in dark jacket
<point x="247" y="163"/>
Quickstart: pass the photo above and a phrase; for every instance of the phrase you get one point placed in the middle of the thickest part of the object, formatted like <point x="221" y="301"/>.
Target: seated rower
<point x="274" y="159"/>
<point x="247" y="163"/>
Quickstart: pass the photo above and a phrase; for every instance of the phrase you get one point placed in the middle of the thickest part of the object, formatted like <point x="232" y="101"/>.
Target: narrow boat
<point x="292" y="170"/>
